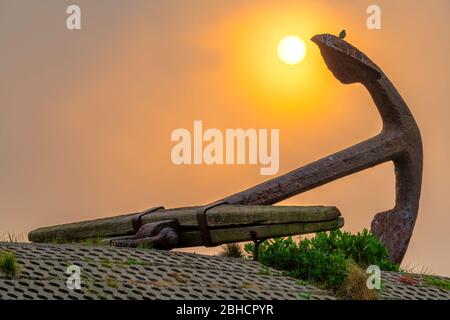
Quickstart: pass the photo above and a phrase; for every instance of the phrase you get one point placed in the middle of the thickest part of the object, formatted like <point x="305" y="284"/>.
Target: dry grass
<point x="355" y="286"/>
<point x="179" y="277"/>
<point x="414" y="269"/>
<point x="232" y="250"/>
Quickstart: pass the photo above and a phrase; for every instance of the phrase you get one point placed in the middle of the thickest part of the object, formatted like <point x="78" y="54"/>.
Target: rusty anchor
<point x="399" y="141"/>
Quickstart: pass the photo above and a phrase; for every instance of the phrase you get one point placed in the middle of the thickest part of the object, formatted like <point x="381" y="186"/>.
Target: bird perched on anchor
<point x="342" y="34"/>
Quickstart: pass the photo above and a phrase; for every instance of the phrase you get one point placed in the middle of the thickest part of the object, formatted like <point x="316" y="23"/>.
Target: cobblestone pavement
<point x="122" y="273"/>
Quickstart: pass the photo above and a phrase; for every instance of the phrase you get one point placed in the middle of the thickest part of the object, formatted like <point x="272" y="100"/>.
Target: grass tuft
<point x="305" y="295"/>
<point x="132" y="262"/>
<point x="112" y="282"/>
<point x="438" y="282"/>
<point x="414" y="269"/>
<point x="232" y="250"/>
<point x="8" y="264"/>
<point x="354" y="286"/>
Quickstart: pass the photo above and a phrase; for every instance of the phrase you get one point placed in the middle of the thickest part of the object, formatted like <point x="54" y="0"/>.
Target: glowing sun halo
<point x="291" y="50"/>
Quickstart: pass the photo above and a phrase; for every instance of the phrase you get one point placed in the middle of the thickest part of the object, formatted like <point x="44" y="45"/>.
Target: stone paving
<point x="123" y="273"/>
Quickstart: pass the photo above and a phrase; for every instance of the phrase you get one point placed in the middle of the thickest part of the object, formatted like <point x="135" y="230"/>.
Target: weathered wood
<point x="98" y="228"/>
<point x="229" y="235"/>
<point x="228" y="215"/>
<point x="221" y="216"/>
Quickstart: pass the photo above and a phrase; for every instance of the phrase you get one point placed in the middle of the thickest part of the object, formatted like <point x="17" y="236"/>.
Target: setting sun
<point x="291" y="50"/>
<point x="273" y="84"/>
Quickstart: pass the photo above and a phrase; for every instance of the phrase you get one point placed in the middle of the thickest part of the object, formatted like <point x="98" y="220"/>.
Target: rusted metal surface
<point x="399" y="141"/>
<point x="136" y="220"/>
<point x="159" y="235"/>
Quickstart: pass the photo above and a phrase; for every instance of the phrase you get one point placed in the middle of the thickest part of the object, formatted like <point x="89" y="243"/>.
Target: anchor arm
<point x="399" y="141"/>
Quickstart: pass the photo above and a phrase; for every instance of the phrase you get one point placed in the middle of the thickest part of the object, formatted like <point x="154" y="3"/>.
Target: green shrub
<point x="363" y="248"/>
<point x="324" y="258"/>
<point x="302" y="261"/>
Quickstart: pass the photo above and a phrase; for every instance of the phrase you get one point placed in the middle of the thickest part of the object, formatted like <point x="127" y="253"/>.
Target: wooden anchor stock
<point x="226" y="224"/>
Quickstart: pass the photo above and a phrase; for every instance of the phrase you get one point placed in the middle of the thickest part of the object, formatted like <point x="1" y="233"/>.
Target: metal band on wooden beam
<point x="203" y="223"/>
<point x="136" y="221"/>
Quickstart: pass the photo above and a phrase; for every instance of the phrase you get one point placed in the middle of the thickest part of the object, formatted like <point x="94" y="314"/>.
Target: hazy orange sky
<point x="86" y="116"/>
